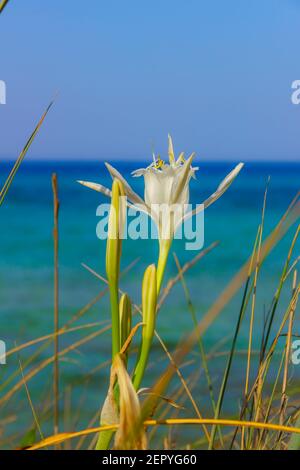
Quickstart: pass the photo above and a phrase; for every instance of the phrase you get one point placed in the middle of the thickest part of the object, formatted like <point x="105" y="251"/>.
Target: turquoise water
<point x="26" y="270"/>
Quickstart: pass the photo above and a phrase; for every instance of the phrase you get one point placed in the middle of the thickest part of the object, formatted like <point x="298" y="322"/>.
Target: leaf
<point x="131" y="433"/>
<point x="28" y="440"/>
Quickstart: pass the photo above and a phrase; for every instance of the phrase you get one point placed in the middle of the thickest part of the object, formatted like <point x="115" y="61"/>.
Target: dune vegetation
<point x="266" y="417"/>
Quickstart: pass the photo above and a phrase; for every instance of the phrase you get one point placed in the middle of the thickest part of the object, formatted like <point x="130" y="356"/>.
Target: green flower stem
<point x="148" y="331"/>
<point x="115" y="324"/>
<point x="142" y="363"/>
<point x="149" y="318"/>
<point x="149" y="303"/>
<point x="104" y="440"/>
<point x="152" y="283"/>
<point x="113" y="257"/>
<point x="164" y="248"/>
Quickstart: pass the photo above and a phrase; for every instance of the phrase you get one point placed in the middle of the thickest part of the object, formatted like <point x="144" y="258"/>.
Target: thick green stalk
<point x="149" y="302"/>
<point x="151" y="288"/>
<point x="164" y="248"/>
<point x="113" y="257"/>
<point x="104" y="440"/>
<point x="115" y="328"/>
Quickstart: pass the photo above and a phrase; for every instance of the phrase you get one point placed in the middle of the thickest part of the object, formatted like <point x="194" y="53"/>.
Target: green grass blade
<point x="245" y="301"/>
<point x="279" y="289"/>
<point x="200" y="342"/>
<point x="21" y="157"/>
<point x="3" y="5"/>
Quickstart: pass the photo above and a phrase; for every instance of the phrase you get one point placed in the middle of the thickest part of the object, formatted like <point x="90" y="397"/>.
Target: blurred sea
<point x="26" y="267"/>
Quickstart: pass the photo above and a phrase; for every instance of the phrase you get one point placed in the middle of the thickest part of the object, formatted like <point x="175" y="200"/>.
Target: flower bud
<point x="125" y="318"/>
<point x="149" y="303"/>
<point x="113" y="257"/>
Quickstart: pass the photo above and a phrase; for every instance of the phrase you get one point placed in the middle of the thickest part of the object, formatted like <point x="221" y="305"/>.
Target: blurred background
<point x="217" y="76"/>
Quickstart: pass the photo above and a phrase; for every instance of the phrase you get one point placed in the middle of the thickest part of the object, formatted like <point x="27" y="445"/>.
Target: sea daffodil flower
<point x="166" y="186"/>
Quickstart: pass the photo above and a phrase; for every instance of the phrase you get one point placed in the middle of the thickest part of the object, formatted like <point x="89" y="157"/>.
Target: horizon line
<point x="135" y="160"/>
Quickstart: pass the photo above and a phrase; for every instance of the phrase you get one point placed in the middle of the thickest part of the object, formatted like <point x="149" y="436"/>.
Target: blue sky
<point x="215" y="74"/>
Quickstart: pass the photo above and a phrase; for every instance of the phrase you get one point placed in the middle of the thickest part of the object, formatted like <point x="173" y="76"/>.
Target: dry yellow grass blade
<point x="288" y="219"/>
<point x="34" y="414"/>
<point x="284" y="397"/>
<point x="48" y="361"/>
<point x="184" y="383"/>
<point x="52" y="440"/>
<point x="130" y="337"/>
<point x="62" y="331"/>
<point x="66" y="328"/>
<point x="58" y="438"/>
<point x="171" y="283"/>
<point x="238" y="280"/>
<point x="186" y="267"/>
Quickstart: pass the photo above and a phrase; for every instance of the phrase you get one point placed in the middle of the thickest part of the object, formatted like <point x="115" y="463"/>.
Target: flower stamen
<point x="158" y="163"/>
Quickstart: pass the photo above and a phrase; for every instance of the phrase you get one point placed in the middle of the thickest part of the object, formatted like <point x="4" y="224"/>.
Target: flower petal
<point x="139" y="172"/>
<point x="159" y="185"/>
<point x="223" y="186"/>
<point x="171" y="150"/>
<point x="107" y="192"/>
<point x="96" y="187"/>
<point x="183" y="179"/>
<point x="133" y="196"/>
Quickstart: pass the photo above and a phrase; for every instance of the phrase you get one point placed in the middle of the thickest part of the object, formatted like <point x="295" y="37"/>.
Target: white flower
<point x="166" y="190"/>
